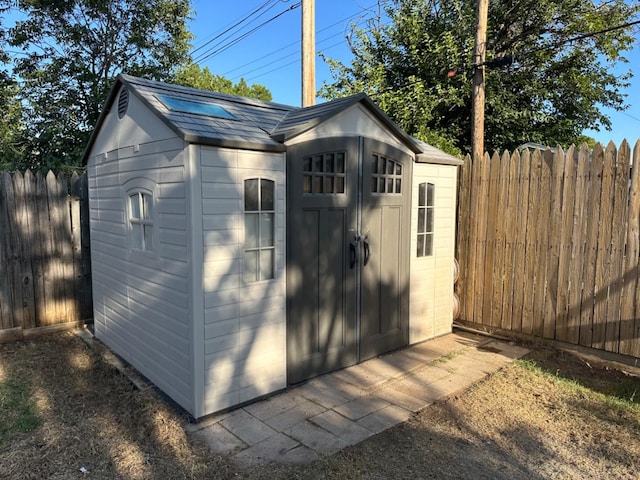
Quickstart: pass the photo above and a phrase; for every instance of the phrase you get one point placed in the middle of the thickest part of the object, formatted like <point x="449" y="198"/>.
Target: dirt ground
<point x="522" y="422"/>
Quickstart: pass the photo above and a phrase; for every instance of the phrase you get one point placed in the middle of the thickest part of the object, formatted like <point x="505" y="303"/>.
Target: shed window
<point x="141" y="221"/>
<point x="426" y="194"/>
<point x="386" y="176"/>
<point x="259" y="229"/>
<point x="324" y="173"/>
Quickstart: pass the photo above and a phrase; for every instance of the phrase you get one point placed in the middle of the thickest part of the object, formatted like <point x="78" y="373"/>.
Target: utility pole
<point x="477" y="96"/>
<point x="308" y="53"/>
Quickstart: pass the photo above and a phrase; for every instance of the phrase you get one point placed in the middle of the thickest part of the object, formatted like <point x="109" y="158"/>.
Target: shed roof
<point x="255" y="124"/>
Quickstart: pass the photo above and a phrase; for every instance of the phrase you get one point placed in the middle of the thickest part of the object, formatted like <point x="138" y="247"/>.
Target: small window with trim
<point x="426" y="204"/>
<point x="259" y="229"/>
<point x="141" y="221"/>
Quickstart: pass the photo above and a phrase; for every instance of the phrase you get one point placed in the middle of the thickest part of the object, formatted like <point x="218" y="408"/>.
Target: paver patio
<point x="331" y="412"/>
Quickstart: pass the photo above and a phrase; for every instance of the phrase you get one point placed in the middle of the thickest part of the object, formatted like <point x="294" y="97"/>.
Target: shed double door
<point x="347" y="253"/>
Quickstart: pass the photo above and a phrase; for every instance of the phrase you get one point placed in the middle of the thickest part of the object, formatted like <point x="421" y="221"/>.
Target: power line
<point x="284" y="57"/>
<point x="240" y="20"/>
<point x="297" y="60"/>
<point x="295" y="42"/>
<point x="631" y="116"/>
<point x="212" y="52"/>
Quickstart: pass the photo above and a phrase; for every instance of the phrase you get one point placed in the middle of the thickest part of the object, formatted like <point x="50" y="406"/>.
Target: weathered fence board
<point x="464" y="212"/>
<point x="522" y="219"/>
<point x="631" y="289"/>
<point x="44" y="250"/>
<point x="552" y="247"/>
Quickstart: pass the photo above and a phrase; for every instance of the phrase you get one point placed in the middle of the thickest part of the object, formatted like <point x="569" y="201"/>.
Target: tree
<point x="69" y="54"/>
<point x="191" y="75"/>
<point x="547" y="84"/>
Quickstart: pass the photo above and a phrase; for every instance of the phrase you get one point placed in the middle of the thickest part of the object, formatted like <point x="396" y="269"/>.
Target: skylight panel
<point x="198" y="108"/>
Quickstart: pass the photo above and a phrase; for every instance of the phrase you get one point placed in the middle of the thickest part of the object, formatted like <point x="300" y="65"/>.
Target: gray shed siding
<point x="141" y="301"/>
<point x="244" y="324"/>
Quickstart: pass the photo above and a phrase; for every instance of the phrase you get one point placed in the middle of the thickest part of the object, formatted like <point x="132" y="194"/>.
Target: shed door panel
<point x="321" y="299"/>
<point x="386" y="204"/>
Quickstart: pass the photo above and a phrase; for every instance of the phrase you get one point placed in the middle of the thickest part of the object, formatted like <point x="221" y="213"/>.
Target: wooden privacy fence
<point x="549" y="245"/>
<point x="45" y="273"/>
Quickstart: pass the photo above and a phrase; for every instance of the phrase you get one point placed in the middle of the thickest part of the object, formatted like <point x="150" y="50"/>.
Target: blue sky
<point x="271" y="55"/>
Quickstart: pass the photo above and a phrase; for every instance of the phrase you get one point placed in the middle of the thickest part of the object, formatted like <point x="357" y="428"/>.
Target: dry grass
<point x="548" y="417"/>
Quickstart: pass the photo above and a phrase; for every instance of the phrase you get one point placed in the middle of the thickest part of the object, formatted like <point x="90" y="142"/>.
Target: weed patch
<point x="17" y="410"/>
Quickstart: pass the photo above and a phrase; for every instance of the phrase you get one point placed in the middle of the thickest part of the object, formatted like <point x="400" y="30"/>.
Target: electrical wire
<point x="297" y="60"/>
<point x="295" y="54"/>
<point x="239" y="21"/>
<point x="211" y="52"/>
<point x="295" y="42"/>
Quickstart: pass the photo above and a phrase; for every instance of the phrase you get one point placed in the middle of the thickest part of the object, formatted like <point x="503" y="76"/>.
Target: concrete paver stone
<point x="247" y="428"/>
<point x="394" y="396"/>
<point x="316" y="438"/>
<point x="385" y="418"/>
<point x="343" y="428"/>
<point x="279" y="448"/>
<point x="273" y="406"/>
<point x="299" y="413"/>
<point x="220" y="440"/>
<point x="361" y="407"/>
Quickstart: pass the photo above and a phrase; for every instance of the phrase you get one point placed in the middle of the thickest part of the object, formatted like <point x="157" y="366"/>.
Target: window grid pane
<point x="426" y="216"/>
<point x="324" y="174"/>
<point x="251" y="266"/>
<point x="266" y="264"/>
<point x="259" y="249"/>
<point x="147" y="206"/>
<point x="134" y="202"/>
<point x="136" y="236"/>
<point x="266" y="230"/>
<point x="251" y="195"/>
<point x="266" y="195"/>
<point x="386" y="175"/>
<point x="141" y="221"/>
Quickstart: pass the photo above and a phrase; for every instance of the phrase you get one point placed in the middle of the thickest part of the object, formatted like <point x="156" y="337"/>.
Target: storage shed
<point x="241" y="246"/>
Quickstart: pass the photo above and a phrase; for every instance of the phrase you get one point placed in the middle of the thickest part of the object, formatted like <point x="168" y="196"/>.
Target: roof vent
<point x="123" y="102"/>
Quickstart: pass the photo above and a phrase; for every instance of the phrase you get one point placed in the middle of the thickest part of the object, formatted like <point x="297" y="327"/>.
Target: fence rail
<point x="45" y="268"/>
<point x="549" y="244"/>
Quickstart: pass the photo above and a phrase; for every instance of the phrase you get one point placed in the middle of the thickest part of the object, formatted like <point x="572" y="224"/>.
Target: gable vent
<point x="123" y="102"/>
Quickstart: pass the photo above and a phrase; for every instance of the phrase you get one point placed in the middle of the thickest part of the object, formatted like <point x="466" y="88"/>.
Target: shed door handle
<point x="367" y="250"/>
<point x="353" y="254"/>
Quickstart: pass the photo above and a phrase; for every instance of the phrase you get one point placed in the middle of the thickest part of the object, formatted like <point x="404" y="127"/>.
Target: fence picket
<point x="463" y="230"/>
<point x="522" y="222"/>
<point x="630" y="325"/>
<point x="565" y="259"/>
<point x="618" y="236"/>
<point x="552" y="256"/>
<point x="500" y="238"/>
<point x="513" y="185"/>
<point x="591" y="247"/>
<point x="484" y="166"/>
<point x="578" y="246"/>
<point x="603" y="259"/>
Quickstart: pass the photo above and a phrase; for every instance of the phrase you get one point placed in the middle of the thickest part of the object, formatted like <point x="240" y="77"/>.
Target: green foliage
<point x="17" y="410"/>
<point x="191" y="75"/>
<point x="555" y="89"/>
<point x="68" y="53"/>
